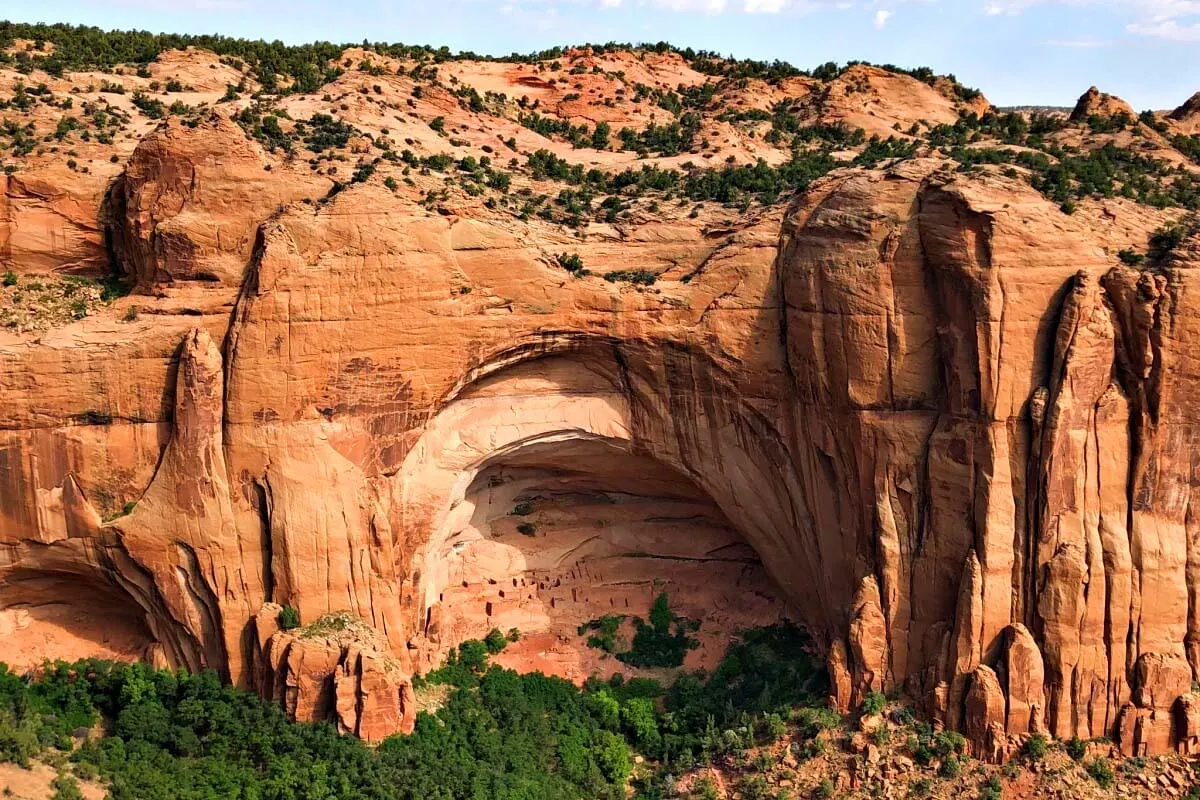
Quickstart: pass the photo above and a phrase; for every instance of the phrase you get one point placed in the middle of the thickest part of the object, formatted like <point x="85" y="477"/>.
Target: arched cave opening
<point x="51" y="615"/>
<point x="554" y="534"/>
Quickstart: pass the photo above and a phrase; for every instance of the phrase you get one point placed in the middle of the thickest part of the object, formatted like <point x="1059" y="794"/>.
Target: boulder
<point x="1095" y="103"/>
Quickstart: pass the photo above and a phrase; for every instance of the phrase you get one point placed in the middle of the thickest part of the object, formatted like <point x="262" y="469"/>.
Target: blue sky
<point x="1016" y="51"/>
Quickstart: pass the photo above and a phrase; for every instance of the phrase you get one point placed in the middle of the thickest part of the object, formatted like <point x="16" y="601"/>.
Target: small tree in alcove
<point x="495" y="641"/>
<point x="665" y="641"/>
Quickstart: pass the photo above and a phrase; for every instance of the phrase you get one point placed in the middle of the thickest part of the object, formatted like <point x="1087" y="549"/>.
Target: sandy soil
<point x="63" y="631"/>
<point x="34" y="783"/>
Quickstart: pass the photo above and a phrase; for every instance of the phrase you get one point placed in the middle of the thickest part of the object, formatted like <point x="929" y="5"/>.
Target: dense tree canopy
<point x="497" y="736"/>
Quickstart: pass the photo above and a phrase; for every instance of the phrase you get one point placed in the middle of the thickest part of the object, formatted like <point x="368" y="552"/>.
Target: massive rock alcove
<point x="84" y="596"/>
<point x="62" y="611"/>
<point x="554" y="514"/>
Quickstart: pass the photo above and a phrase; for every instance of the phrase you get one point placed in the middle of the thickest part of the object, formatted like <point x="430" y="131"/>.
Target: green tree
<point x="600" y="136"/>
<point x="639" y="719"/>
<point x="495" y="641"/>
<point x="874" y="703"/>
<point x="1101" y="772"/>
<point x="473" y="654"/>
<point x="65" y="788"/>
<point x="571" y="263"/>
<point x="662" y="643"/>
<point x="1076" y="748"/>
<point x="605" y="708"/>
<point x="289" y="618"/>
<point x="497" y="734"/>
<point x="19" y="739"/>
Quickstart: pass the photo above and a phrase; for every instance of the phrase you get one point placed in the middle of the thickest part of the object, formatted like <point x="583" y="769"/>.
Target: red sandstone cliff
<point x="920" y="410"/>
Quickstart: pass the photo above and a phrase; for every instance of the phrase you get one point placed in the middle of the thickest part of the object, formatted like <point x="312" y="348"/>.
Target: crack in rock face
<point x="919" y="411"/>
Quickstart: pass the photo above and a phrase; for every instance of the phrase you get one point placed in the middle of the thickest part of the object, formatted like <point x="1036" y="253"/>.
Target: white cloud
<point x="705" y="6"/>
<point x="881" y="9"/>
<point x="1166" y="29"/>
<point x="994" y="8"/>
<point x="1176" y="20"/>
<point x="191" y="5"/>
<point x="1166" y="9"/>
<point x="764" y="6"/>
<point x="881" y="12"/>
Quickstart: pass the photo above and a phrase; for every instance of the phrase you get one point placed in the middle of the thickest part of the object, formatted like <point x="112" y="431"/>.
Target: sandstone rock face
<point x="1187" y="116"/>
<point x="983" y="719"/>
<point x="922" y="412"/>
<point x="314" y="681"/>
<point x="996" y="449"/>
<point x="1094" y="102"/>
<point x="877" y="100"/>
<point x="371" y="703"/>
<point x="345" y="677"/>
<point x="1026" y="675"/>
<point x="868" y="637"/>
<point x="191" y="200"/>
<point x="52" y="219"/>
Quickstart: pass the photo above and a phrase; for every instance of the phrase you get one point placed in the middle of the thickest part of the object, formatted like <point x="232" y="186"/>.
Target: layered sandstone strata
<point x="923" y="412"/>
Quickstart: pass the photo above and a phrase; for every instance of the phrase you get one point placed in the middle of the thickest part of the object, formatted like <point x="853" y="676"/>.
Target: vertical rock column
<point x="182" y="530"/>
